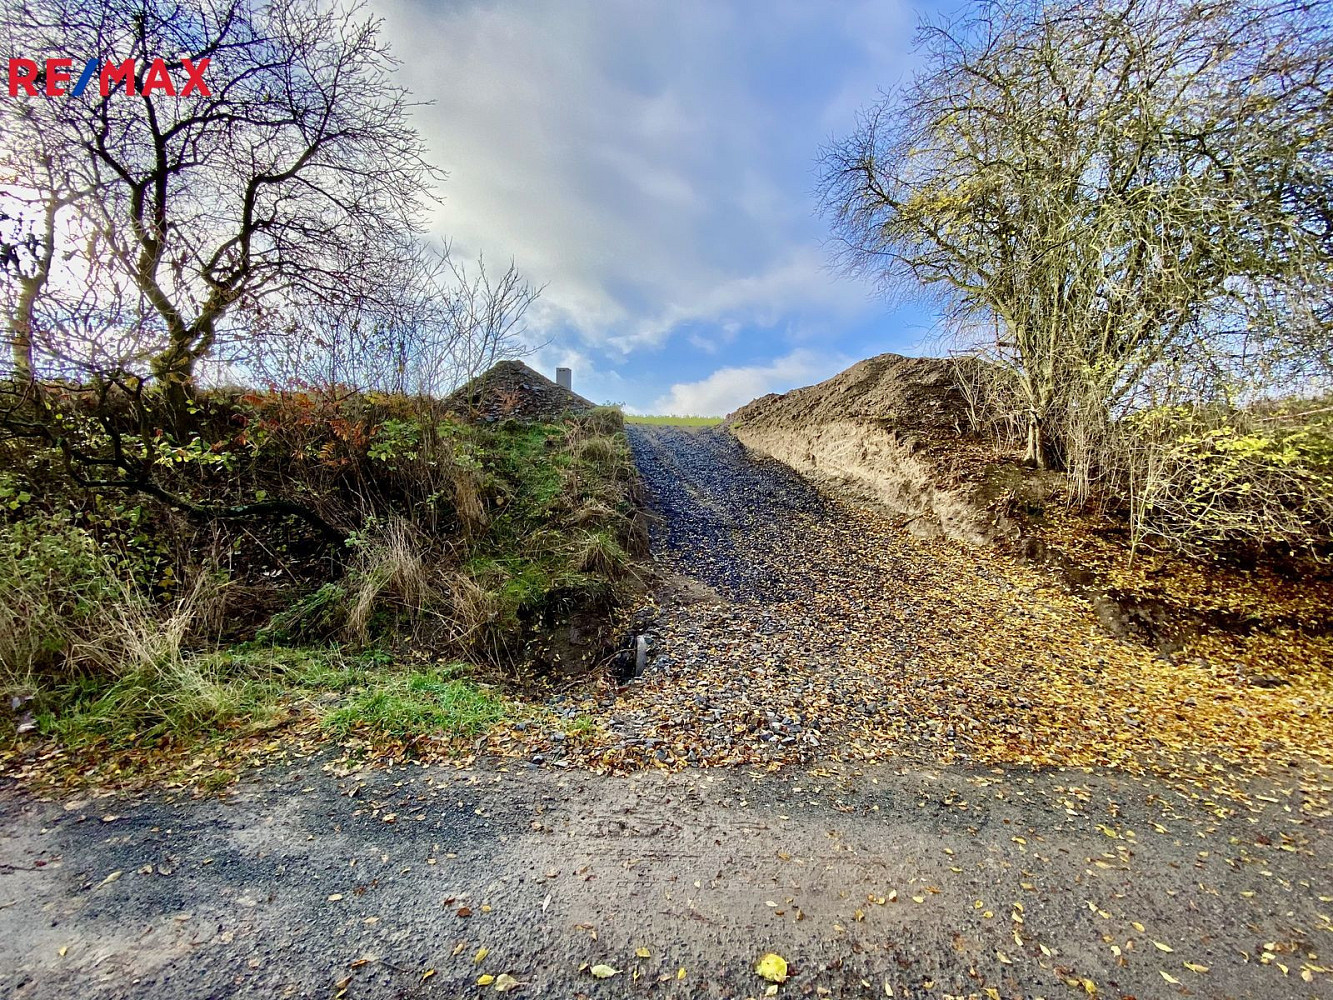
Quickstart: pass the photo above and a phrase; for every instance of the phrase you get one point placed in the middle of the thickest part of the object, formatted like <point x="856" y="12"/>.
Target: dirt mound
<point x="910" y="394"/>
<point x="894" y="430"/>
<point x="512" y="389"/>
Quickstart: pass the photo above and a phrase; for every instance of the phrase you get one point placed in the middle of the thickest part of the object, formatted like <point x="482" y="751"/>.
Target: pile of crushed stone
<point x="912" y="394"/>
<point x="511" y="389"/>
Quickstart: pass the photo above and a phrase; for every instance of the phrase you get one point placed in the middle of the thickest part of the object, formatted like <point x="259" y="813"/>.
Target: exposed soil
<point x="892" y="430"/>
<point x="804" y="633"/>
<point x="836" y="633"/>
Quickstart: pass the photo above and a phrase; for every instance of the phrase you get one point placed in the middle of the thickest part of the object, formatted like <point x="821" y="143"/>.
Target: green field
<point x="677" y="421"/>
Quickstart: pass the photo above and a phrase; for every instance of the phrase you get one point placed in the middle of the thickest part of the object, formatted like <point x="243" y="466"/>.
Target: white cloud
<point x="649" y="162"/>
<point x="728" y="388"/>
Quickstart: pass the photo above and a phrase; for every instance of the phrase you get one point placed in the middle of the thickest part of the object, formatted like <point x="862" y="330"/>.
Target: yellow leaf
<point x="1169" y="978"/>
<point x="427" y="974"/>
<point x="485" y="980"/>
<point x="680" y="973"/>
<point x="505" y="982"/>
<point x="1137" y="926"/>
<point x="1003" y="957"/>
<point x="1162" y="947"/>
<point x="1200" y="969"/>
<point x="643" y="953"/>
<point x="1089" y="987"/>
<point x="481" y="954"/>
<point x="772" y="967"/>
<point x="604" y="971"/>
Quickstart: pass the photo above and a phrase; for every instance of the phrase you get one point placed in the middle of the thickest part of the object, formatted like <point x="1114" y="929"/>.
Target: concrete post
<point x="564" y="378"/>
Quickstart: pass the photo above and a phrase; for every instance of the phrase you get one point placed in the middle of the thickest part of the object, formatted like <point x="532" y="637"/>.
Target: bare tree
<point x="433" y="322"/>
<point x="294" y="162"/>
<point x="39" y="184"/>
<point x="485" y="322"/>
<point x="1118" y="189"/>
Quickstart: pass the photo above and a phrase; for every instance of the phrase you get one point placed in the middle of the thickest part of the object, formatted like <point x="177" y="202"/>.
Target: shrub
<point x="1210" y="478"/>
<point x="57" y="594"/>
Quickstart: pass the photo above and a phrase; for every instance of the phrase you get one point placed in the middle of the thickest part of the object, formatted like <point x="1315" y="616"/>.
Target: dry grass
<point x="394" y="571"/>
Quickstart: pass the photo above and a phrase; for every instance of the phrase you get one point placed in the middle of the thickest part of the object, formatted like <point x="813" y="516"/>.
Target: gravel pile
<point x="512" y="389"/>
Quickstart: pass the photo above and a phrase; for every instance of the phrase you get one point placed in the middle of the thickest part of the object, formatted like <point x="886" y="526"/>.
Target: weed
<point x="419" y="704"/>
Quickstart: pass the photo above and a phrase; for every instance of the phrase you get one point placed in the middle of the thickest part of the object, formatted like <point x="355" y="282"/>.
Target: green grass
<point x="420" y="703"/>
<point x="193" y="698"/>
<point x="672" y="421"/>
<point x="107" y="661"/>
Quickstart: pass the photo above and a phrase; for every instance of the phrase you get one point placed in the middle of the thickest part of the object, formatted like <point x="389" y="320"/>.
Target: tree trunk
<point x="175" y="375"/>
<point x="20" y="331"/>
<point x="1043" y="450"/>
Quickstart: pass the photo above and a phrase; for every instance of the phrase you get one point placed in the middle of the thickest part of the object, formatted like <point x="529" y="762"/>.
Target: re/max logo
<point x="27" y="74"/>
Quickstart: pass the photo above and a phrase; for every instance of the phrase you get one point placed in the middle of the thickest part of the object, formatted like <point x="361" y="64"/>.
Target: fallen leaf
<point x="772" y="967"/>
<point x="643" y="953"/>
<point x="1162" y="947"/>
<point x="505" y="982"/>
<point x="427" y="974"/>
<point x="335" y="897"/>
<point x="481" y="954"/>
<point x="1169" y="978"/>
<point x="109" y="879"/>
<point x="604" y="971"/>
<point x="1194" y="967"/>
<point x="485" y="980"/>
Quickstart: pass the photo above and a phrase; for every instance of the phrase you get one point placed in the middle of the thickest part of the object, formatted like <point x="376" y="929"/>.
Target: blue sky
<point x="653" y="164"/>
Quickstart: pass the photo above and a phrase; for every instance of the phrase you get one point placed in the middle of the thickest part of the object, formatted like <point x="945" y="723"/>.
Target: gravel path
<point x="795" y="642"/>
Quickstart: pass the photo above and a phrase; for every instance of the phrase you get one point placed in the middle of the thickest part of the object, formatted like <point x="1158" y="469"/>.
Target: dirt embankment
<point x="893" y="430"/>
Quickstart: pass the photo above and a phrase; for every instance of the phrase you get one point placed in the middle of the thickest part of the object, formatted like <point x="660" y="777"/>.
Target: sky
<point x="653" y="165"/>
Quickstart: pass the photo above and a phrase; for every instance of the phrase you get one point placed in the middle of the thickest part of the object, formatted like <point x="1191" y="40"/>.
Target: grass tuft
<point x="420" y="703"/>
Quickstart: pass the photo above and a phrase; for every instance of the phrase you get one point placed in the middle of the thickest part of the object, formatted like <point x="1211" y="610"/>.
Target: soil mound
<point x="910" y="394"/>
<point x="512" y="389"/>
<point x="892" y="429"/>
